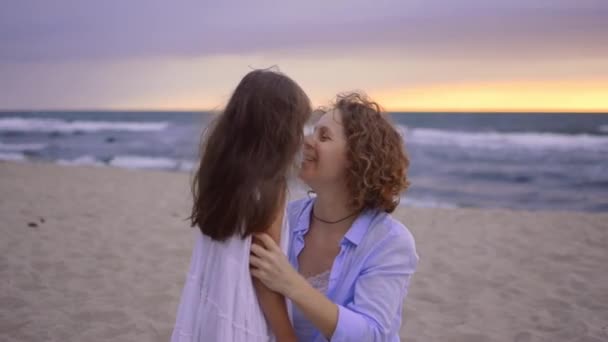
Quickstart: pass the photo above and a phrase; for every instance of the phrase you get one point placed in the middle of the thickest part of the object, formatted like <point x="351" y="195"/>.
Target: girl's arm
<point x="272" y="267"/>
<point x="273" y="303"/>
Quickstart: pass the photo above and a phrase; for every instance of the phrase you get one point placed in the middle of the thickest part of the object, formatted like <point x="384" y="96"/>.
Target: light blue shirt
<point x="369" y="277"/>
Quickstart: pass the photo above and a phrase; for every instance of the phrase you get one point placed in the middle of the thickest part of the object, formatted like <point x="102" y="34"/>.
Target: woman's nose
<point x="308" y="141"/>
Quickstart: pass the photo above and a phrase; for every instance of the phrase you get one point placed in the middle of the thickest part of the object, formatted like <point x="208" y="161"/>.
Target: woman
<point x="350" y="262"/>
<point x="239" y="189"/>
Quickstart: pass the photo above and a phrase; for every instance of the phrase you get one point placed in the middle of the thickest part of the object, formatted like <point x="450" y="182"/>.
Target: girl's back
<point x="239" y="189"/>
<point x="218" y="301"/>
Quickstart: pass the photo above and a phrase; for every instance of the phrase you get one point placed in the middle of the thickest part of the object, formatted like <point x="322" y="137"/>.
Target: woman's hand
<point x="270" y="266"/>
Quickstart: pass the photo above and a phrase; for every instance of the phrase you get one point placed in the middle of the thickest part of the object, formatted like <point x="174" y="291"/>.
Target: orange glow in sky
<point x="408" y="55"/>
<point x="517" y="96"/>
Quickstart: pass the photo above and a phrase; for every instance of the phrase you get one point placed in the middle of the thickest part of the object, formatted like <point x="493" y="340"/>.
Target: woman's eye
<point x="324" y="138"/>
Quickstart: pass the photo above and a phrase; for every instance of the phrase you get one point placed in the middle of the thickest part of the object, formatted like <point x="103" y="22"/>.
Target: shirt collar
<point x="359" y="227"/>
<point x="303" y="223"/>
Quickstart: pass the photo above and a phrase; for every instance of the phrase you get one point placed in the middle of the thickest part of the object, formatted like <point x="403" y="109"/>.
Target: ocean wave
<point x="156" y="163"/>
<point x="83" y="160"/>
<point x="125" y="161"/>
<point x="603" y="128"/>
<point x="425" y="203"/>
<point x="501" y="140"/>
<point x="187" y="165"/>
<point x="57" y="125"/>
<point x="21" y="147"/>
<point x="12" y="156"/>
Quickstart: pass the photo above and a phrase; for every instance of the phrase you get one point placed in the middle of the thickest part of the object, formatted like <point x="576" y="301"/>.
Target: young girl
<point x="240" y="190"/>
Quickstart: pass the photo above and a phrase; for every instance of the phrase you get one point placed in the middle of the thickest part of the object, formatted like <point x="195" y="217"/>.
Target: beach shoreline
<point x="99" y="253"/>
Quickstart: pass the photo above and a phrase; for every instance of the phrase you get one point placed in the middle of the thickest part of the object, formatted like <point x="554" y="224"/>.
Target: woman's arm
<point x="379" y="290"/>
<point x="273" y="268"/>
<point x="273" y="303"/>
<point x="321" y="312"/>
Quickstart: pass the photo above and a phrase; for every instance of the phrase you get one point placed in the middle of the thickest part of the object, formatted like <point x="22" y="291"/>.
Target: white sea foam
<point x="187" y="165"/>
<point x="12" y="156"/>
<point x="57" y="125"/>
<point x="132" y="162"/>
<point x="425" y="203"/>
<point x="142" y="162"/>
<point x="21" y="147"/>
<point x="501" y="140"/>
<point x="83" y="160"/>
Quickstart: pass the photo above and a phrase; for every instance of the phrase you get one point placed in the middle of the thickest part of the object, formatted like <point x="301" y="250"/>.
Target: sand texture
<point x="98" y="254"/>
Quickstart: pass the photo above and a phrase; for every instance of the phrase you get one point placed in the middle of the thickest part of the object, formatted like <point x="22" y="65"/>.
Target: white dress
<point x="219" y="302"/>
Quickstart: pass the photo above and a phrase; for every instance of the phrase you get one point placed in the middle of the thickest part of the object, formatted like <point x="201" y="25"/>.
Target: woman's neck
<point x="332" y="215"/>
<point x="332" y="204"/>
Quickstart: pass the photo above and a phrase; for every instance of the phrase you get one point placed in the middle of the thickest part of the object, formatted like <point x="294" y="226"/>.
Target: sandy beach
<point x="98" y="254"/>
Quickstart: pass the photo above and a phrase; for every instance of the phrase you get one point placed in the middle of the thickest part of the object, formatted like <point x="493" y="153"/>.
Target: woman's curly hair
<point x="378" y="163"/>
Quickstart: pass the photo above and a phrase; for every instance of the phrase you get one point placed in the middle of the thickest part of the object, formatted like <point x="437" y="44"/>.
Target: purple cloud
<point x="62" y="30"/>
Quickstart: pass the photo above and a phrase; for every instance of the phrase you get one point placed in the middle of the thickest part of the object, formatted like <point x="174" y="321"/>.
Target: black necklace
<point x="333" y="222"/>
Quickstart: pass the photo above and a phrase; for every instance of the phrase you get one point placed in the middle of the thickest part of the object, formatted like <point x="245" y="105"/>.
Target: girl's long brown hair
<point x="241" y="179"/>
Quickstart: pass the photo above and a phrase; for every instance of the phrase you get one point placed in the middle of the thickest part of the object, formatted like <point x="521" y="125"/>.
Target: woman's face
<point x="324" y="152"/>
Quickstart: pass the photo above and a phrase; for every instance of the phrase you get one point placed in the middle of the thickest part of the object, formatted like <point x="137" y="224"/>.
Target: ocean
<point x="488" y="160"/>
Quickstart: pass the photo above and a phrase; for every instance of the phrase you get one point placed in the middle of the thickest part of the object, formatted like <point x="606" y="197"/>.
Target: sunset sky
<point x="507" y="55"/>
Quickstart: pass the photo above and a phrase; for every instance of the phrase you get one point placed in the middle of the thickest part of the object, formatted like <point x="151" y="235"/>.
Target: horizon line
<point x="392" y="110"/>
